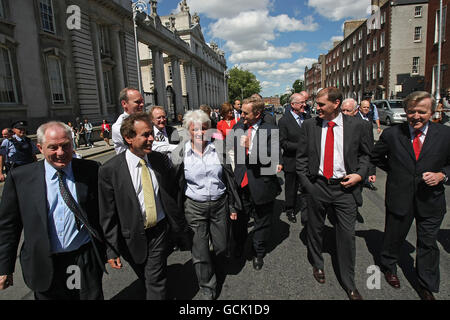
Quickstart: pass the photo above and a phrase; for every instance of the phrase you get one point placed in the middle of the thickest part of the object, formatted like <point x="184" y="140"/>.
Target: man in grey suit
<point x="332" y="159"/>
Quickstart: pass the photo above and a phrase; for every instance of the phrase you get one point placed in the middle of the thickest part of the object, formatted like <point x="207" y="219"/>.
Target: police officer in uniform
<point x="19" y="149"/>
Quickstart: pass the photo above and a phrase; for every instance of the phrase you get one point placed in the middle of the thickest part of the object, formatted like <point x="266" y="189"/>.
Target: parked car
<point x="280" y="110"/>
<point x="270" y="109"/>
<point x="390" y="111"/>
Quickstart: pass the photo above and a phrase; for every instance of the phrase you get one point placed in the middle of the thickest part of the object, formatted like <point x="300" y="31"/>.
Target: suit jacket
<point x="289" y="135"/>
<point x="369" y="126"/>
<point x="173" y="135"/>
<point x="356" y="152"/>
<point x="120" y="212"/>
<point x="405" y="188"/>
<point x="264" y="187"/>
<point x="24" y="206"/>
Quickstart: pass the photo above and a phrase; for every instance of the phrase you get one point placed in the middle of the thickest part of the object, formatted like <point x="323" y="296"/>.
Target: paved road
<point x="287" y="274"/>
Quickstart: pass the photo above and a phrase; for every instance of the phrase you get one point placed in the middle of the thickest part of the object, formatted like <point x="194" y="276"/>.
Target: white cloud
<point x="255" y="66"/>
<point x="327" y="45"/>
<point x="340" y="9"/>
<point x="270" y="84"/>
<point x="268" y="53"/>
<point x="254" y="29"/>
<point x="218" y="9"/>
<point x="289" y="71"/>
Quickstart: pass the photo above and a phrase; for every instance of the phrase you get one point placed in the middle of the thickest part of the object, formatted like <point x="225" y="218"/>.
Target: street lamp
<point x="139" y="6"/>
<point x="438" y="85"/>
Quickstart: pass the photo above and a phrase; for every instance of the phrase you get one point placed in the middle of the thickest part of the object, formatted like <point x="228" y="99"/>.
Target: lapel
<point x="81" y="184"/>
<point x="405" y="140"/>
<point x="348" y="134"/>
<point x="37" y="181"/>
<point x="154" y="165"/>
<point x="318" y="136"/>
<point x="125" y="184"/>
<point x="294" y="122"/>
<point x="427" y="144"/>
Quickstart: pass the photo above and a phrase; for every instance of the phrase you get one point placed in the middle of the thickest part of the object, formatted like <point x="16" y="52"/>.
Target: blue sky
<point x="274" y="39"/>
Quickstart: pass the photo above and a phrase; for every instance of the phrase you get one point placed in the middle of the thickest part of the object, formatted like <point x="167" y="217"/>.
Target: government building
<point x="68" y="60"/>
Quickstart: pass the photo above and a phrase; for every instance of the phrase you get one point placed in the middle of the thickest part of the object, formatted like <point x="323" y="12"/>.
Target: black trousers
<point x="345" y="208"/>
<point x="77" y="276"/>
<point x="208" y="220"/>
<point x="291" y="186"/>
<point x="262" y="216"/>
<point x="153" y="272"/>
<point x="427" y="256"/>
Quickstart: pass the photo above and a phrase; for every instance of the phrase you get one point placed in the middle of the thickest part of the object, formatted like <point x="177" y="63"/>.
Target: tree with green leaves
<point x="284" y="99"/>
<point x="242" y="84"/>
<point x="298" y="86"/>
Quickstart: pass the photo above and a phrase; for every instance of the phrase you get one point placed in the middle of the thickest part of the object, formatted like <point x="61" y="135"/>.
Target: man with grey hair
<point x="289" y="126"/>
<point x="416" y="158"/>
<point x="349" y="107"/>
<point x="55" y="202"/>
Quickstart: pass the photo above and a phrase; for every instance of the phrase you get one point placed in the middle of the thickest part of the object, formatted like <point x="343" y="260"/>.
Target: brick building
<point x="383" y="55"/>
<point x="432" y="47"/>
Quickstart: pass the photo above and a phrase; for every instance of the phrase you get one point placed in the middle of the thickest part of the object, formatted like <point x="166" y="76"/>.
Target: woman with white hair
<point x="208" y="195"/>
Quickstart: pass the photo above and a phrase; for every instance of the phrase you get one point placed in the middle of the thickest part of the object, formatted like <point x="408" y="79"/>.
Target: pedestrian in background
<point x="106" y="132"/>
<point x="18" y="150"/>
<point x="88" y="128"/>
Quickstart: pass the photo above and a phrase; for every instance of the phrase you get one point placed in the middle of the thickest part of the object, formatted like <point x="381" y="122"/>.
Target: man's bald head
<point x="305" y="94"/>
<point x="364" y="107"/>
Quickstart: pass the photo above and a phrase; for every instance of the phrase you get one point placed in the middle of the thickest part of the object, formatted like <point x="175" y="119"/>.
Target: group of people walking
<point x="164" y="189"/>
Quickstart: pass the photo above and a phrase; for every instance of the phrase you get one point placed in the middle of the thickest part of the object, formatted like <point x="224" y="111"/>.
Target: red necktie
<point x="329" y="152"/>
<point x="245" y="179"/>
<point x="417" y="145"/>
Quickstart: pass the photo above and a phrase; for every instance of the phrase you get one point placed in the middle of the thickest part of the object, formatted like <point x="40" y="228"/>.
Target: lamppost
<point x="438" y="85"/>
<point x="139" y="6"/>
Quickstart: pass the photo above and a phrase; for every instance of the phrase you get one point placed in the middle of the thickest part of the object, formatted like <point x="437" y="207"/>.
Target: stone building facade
<point x="69" y="59"/>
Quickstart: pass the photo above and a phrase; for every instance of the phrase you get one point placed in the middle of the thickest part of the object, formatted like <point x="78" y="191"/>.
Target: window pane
<point x="7" y="88"/>
<point x="55" y="77"/>
<point x="47" y="15"/>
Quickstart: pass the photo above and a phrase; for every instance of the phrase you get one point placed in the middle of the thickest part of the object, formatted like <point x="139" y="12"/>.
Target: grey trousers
<point x="208" y="220"/>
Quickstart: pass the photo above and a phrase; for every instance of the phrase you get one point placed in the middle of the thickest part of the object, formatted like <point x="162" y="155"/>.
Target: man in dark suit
<point x="256" y="155"/>
<point x="267" y="117"/>
<point x="416" y="157"/>
<point x="289" y="126"/>
<point x="365" y="114"/>
<point x="349" y="107"/>
<point x="137" y="195"/>
<point x="332" y="159"/>
<point x="166" y="137"/>
<point x="55" y="203"/>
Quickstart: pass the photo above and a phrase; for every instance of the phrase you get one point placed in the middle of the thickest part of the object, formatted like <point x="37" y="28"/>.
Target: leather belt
<point x="330" y="181"/>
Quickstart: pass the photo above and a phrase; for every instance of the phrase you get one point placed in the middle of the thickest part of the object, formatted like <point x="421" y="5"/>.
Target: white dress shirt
<point x="135" y="169"/>
<point x="119" y="144"/>
<point x="298" y="118"/>
<point x="161" y="143"/>
<point x="254" y="129"/>
<point x="424" y="133"/>
<point x="203" y="174"/>
<point x="338" y="156"/>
